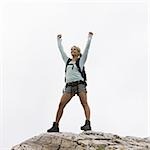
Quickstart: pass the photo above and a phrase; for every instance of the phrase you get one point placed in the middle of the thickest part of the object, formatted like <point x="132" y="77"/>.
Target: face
<point x="74" y="51"/>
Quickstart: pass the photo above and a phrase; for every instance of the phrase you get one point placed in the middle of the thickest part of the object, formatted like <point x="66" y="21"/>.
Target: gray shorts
<point x="75" y="89"/>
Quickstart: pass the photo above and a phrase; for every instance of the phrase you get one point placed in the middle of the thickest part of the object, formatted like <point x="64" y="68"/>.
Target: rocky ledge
<point x="88" y="140"/>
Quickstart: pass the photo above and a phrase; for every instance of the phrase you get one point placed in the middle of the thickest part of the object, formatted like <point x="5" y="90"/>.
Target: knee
<point x="84" y="104"/>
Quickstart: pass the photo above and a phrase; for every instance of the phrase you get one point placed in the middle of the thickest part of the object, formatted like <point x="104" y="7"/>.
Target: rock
<point x="88" y="140"/>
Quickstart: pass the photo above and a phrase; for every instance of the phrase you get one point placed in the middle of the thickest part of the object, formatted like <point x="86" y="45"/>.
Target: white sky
<point x="33" y="70"/>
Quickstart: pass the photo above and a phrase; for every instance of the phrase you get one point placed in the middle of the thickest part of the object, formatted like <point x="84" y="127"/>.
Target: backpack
<point x="83" y="73"/>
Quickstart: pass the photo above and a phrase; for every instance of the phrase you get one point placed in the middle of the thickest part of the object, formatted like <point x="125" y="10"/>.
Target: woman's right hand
<point x="91" y="34"/>
<point x="59" y="36"/>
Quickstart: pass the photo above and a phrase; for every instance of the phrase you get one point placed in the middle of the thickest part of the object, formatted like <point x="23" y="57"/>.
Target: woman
<point x="75" y="82"/>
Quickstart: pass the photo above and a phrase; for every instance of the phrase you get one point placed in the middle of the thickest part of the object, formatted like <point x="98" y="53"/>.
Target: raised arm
<point x="63" y="54"/>
<point x="85" y="53"/>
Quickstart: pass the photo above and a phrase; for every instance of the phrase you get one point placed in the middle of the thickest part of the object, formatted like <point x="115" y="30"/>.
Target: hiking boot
<point x="54" y="128"/>
<point x="87" y="126"/>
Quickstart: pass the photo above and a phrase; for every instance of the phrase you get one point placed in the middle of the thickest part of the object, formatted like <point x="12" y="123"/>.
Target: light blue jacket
<point x="72" y="73"/>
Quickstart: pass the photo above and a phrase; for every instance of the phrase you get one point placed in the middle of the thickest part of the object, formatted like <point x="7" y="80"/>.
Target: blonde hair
<point x="78" y="49"/>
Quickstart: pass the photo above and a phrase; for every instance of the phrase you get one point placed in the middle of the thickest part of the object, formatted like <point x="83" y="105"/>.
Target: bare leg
<point x="83" y="100"/>
<point x="64" y="100"/>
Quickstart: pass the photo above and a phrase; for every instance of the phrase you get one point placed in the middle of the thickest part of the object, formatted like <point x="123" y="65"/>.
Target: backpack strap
<point x="69" y="59"/>
<point x="83" y="74"/>
<point x="77" y="63"/>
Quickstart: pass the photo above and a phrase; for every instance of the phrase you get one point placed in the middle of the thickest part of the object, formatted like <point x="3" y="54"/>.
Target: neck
<point x="74" y="58"/>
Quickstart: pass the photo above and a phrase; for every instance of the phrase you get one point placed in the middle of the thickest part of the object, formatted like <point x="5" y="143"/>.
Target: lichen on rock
<point x="88" y="140"/>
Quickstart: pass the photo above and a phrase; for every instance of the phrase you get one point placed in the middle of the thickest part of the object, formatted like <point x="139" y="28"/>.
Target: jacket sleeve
<point x="85" y="53"/>
<point x="61" y="49"/>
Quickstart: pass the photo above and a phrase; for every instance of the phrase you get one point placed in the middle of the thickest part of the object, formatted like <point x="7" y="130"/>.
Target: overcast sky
<point x="33" y="70"/>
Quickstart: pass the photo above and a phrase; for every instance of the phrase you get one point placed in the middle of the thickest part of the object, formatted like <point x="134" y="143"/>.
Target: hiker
<point x="75" y="78"/>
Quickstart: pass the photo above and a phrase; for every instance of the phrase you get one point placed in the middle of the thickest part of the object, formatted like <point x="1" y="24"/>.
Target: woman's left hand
<point x="90" y="34"/>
